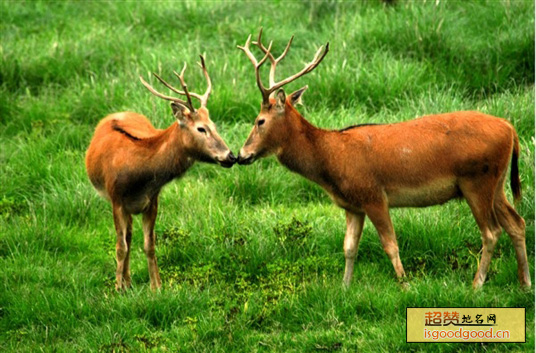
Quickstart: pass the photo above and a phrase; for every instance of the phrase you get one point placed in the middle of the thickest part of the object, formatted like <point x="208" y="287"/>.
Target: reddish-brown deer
<point x="129" y="161"/>
<point x="370" y="168"/>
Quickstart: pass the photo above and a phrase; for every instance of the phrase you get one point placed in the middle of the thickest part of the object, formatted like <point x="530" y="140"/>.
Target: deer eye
<point x="260" y="122"/>
<point x="202" y="130"/>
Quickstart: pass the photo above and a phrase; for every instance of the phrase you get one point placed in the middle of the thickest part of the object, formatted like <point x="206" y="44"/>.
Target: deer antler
<point x="188" y="103"/>
<point x="273" y="61"/>
<point x="267" y="92"/>
<point x="257" y="65"/>
<point x="204" y="97"/>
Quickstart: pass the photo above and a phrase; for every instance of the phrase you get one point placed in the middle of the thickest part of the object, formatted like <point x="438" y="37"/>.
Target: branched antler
<point x="257" y="65"/>
<point x="274" y="61"/>
<point x="268" y="92"/>
<point x="188" y="103"/>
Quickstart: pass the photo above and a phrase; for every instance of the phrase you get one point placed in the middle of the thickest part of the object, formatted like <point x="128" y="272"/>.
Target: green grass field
<point x="251" y="258"/>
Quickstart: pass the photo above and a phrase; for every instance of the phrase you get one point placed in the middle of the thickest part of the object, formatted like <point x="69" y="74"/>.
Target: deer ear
<point x="280" y="100"/>
<point x="295" y="97"/>
<point x="181" y="113"/>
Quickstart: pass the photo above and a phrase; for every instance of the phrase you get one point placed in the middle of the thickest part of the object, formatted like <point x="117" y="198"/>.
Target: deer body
<point x="129" y="161"/>
<point x="409" y="164"/>
<point x="369" y="169"/>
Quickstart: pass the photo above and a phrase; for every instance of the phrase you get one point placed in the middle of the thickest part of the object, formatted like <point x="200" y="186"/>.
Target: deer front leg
<point x="149" y="218"/>
<point x="354" y="229"/>
<point x="123" y="226"/>
<point x="379" y="216"/>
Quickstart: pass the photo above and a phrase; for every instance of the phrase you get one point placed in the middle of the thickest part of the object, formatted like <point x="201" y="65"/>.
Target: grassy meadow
<point x="251" y="258"/>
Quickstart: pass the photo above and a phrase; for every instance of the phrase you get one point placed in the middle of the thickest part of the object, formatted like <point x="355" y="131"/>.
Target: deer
<point x="129" y="161"/>
<point x="368" y="169"/>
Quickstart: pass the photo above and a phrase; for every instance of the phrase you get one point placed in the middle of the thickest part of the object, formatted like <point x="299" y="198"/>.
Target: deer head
<point x="200" y="135"/>
<point x="276" y="108"/>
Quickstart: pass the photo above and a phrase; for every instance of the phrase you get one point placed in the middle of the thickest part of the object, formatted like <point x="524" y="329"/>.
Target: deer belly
<point x="103" y="193"/>
<point x="434" y="193"/>
<point x="101" y="190"/>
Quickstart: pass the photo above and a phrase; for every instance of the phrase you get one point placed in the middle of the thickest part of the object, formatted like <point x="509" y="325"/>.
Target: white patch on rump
<point x="406" y="150"/>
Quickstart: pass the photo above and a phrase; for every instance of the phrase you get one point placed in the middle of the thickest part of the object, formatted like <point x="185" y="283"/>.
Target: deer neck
<point x="301" y="151"/>
<point x="171" y="157"/>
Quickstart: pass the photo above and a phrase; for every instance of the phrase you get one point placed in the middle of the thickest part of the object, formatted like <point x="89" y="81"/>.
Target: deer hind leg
<point x="123" y="228"/>
<point x="479" y="195"/>
<point x="514" y="225"/>
<point x="126" y="268"/>
<point x="379" y="216"/>
<point x="354" y="229"/>
<point x="149" y="218"/>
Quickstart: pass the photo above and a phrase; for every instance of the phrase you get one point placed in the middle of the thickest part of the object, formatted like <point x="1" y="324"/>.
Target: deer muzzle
<point x="228" y="161"/>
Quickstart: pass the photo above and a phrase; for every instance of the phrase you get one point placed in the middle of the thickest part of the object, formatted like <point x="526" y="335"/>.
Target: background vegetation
<point x="251" y="258"/>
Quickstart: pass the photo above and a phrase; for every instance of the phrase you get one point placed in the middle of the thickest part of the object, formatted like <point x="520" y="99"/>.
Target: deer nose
<point x="245" y="159"/>
<point x="228" y="161"/>
<point x="231" y="157"/>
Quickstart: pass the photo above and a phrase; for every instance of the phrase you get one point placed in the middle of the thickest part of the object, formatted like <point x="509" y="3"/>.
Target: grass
<point x="251" y="258"/>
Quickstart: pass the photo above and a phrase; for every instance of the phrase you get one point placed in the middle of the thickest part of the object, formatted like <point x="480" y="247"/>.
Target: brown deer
<point x="367" y="169"/>
<point x="129" y="161"/>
